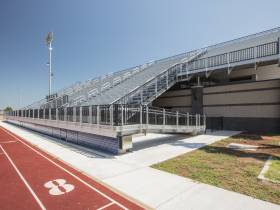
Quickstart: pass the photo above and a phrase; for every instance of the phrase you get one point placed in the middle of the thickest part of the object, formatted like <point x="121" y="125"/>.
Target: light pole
<point x="49" y="40"/>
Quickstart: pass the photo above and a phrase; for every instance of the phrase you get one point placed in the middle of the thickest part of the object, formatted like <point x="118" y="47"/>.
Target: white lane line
<point x="103" y="207"/>
<point x="24" y="180"/>
<point x="7" y="142"/>
<point x="78" y="178"/>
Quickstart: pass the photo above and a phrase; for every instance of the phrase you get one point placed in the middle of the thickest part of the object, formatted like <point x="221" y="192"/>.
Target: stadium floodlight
<point x="49" y="40"/>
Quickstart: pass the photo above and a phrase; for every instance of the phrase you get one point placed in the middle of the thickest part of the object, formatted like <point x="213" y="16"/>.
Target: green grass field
<point x="235" y="170"/>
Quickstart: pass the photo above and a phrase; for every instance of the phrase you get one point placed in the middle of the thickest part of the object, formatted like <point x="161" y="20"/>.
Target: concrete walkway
<point x="131" y="174"/>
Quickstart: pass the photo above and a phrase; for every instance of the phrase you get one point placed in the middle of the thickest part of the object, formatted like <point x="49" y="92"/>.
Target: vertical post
<point x="33" y="113"/>
<point x="156" y="88"/>
<point x="65" y="114"/>
<point x="44" y="113"/>
<point x="188" y="119"/>
<point x="204" y="120"/>
<point x="198" y="120"/>
<point x="147" y="114"/>
<point x="81" y="114"/>
<point x="279" y="51"/>
<point x="122" y="114"/>
<point x="49" y="40"/>
<point x="97" y="115"/>
<point x="141" y="95"/>
<point x="177" y="119"/>
<point x="90" y="114"/>
<point x="111" y="115"/>
<point x="38" y="114"/>
<point x="141" y="118"/>
<point x="74" y="114"/>
<point x="28" y="113"/>
<point x="50" y="116"/>
<point x="163" y="121"/>
<point x="167" y="80"/>
<point x="56" y="114"/>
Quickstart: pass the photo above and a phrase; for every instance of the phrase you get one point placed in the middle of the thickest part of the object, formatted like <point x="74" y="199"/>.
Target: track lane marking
<point x="24" y="180"/>
<point x="107" y="205"/>
<point x="62" y="168"/>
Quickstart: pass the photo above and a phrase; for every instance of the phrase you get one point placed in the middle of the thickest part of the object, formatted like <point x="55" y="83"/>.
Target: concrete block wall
<point x="106" y="144"/>
<point x="250" y="106"/>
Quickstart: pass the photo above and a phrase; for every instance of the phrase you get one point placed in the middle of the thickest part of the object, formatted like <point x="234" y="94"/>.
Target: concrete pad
<point x="161" y="147"/>
<point x="150" y="186"/>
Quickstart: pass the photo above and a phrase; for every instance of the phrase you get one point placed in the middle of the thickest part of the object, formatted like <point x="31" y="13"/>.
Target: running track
<point x="31" y="179"/>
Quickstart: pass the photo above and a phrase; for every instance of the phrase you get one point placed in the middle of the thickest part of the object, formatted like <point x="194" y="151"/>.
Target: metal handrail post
<point x="122" y="115"/>
<point x="81" y="114"/>
<point x="65" y="114"/>
<point x="163" y="121"/>
<point x="177" y="119"/>
<point x="204" y="120"/>
<point x="147" y="115"/>
<point x="111" y="115"/>
<point x="74" y="114"/>
<point x="141" y="119"/>
<point x="56" y="114"/>
<point x="90" y="114"/>
<point x="97" y="115"/>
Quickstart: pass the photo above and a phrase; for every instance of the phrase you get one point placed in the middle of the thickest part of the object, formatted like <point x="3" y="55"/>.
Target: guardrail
<point x="251" y="53"/>
<point x="114" y="115"/>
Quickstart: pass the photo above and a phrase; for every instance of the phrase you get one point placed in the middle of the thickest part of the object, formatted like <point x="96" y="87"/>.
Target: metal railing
<point x="251" y="53"/>
<point x="113" y="115"/>
<point x="155" y="86"/>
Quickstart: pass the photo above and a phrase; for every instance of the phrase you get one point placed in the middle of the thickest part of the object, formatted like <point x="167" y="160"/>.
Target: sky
<point x="95" y="37"/>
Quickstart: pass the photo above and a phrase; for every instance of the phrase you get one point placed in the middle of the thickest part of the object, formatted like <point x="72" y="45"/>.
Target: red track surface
<point x="32" y="179"/>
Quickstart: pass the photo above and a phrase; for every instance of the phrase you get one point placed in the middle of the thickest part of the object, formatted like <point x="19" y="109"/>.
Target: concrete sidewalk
<point x="130" y="173"/>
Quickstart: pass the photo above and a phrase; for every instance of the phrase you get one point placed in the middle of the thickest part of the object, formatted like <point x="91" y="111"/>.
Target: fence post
<point x="97" y="115"/>
<point x="141" y="118"/>
<point x="81" y="114"/>
<point x="204" y="120"/>
<point x="147" y="115"/>
<point x="44" y="113"/>
<point x="65" y="114"/>
<point x="90" y="114"/>
<point x="177" y="119"/>
<point x="74" y="114"/>
<point x="111" y="114"/>
<point x="196" y="121"/>
<point x="122" y="114"/>
<point x="38" y="114"/>
<point x="56" y="114"/>
<point x="163" y="121"/>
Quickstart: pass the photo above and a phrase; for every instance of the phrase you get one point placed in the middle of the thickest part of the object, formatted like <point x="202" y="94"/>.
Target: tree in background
<point x="8" y="109"/>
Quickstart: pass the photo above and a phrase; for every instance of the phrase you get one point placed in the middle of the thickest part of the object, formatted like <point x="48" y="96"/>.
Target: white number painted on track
<point x="58" y="187"/>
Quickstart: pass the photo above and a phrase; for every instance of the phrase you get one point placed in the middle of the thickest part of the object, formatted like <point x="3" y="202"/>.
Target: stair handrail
<point x="197" y="53"/>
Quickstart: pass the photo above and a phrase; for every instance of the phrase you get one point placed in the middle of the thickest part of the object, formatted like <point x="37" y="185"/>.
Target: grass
<point x="273" y="172"/>
<point x="235" y="170"/>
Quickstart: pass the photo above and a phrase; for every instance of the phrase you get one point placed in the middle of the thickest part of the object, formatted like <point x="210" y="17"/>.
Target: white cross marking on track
<point x="54" y="185"/>
<point x="78" y="178"/>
